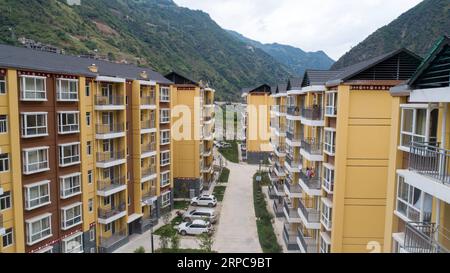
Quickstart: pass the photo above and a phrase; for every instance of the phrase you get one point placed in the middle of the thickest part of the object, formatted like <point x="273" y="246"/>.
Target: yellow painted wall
<point x="258" y="128"/>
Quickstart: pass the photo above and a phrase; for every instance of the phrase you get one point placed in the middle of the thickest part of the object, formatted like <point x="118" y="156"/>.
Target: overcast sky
<point x="333" y="26"/>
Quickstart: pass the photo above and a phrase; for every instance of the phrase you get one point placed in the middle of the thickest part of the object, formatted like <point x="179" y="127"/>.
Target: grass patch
<point x="219" y="192"/>
<point x="231" y="154"/>
<point x="181" y="205"/>
<point x="185" y="250"/>
<point x="169" y="230"/>
<point x="224" y="175"/>
<point x="266" y="233"/>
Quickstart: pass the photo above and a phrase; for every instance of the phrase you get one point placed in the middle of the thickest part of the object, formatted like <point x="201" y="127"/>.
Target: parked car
<point x="200" y="214"/>
<point x="204" y="200"/>
<point x="196" y="227"/>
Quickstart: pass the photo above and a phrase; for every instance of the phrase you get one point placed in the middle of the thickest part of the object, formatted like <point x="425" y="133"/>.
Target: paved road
<point x="236" y="231"/>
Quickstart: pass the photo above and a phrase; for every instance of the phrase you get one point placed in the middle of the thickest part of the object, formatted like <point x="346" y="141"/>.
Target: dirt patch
<point x="105" y="29"/>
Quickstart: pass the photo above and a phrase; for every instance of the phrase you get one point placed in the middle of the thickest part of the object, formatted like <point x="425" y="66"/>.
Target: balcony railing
<point x="148" y="100"/>
<point x="331" y="110"/>
<point x="106" y="242"/>
<point x="114" y="128"/>
<point x="292" y="188"/>
<point x="311" y="215"/>
<point x="148" y="171"/>
<point x="290" y="237"/>
<point x="148" y="124"/>
<point x="312" y="146"/>
<point x="294" y="137"/>
<point x="273" y="176"/>
<point x="309" y="244"/>
<point x="279" y="108"/>
<point x="280" y="149"/>
<point x="312" y="113"/>
<point x="292" y="212"/>
<point x="110" y="212"/>
<point x="110" y="184"/>
<point x="430" y="160"/>
<point x="293" y="111"/>
<point x="420" y="238"/>
<point x="149" y="195"/>
<point x="313" y="183"/>
<point x="148" y="148"/>
<point x="277" y="207"/>
<point x="293" y="162"/>
<point x="105" y="157"/>
<point x="109" y="100"/>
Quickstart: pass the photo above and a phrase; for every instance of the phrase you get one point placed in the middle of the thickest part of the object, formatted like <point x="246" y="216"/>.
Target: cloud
<point x="333" y="26"/>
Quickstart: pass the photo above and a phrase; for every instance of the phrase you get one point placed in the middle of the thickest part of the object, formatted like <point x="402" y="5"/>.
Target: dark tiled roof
<point x="24" y="58"/>
<point x="179" y="78"/>
<point x="295" y="83"/>
<point x="260" y="88"/>
<point x="318" y="77"/>
<point x="273" y="89"/>
<point x="282" y="88"/>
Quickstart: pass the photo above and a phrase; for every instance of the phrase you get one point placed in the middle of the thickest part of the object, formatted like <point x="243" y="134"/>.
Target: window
<point x="91" y="205"/>
<point x="89" y="148"/>
<point x="34" y="124"/>
<point x="37" y="195"/>
<point x="165" y="179"/>
<point x="329" y="143"/>
<point x="164" y="94"/>
<point x="5" y="201"/>
<point x="90" y="178"/>
<point x="415" y="122"/>
<point x="165" y="158"/>
<point x="324" y="246"/>
<point x="92" y="234"/>
<point x="165" y="137"/>
<point x="66" y="90"/>
<point x="33" y="88"/>
<point x="409" y="202"/>
<point x="164" y="115"/>
<point x="326" y="214"/>
<point x="3" y="124"/>
<point x="35" y="160"/>
<point x="328" y="179"/>
<point x="88" y="88"/>
<point x="71" y="216"/>
<point x="2" y="85"/>
<point x="165" y="199"/>
<point x="39" y="228"/>
<point x="68" y="122"/>
<point x="108" y="227"/>
<point x="4" y="163"/>
<point x="88" y="118"/>
<point x="69" y="154"/>
<point x="106" y="201"/>
<point x="73" y="244"/>
<point x="8" y="238"/>
<point x="70" y="185"/>
<point x="331" y="105"/>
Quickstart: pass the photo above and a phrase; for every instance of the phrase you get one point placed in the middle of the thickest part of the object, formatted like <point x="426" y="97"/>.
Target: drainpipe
<point x="443" y="146"/>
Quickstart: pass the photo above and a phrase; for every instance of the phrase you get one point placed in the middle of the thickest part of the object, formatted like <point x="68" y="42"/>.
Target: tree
<point x="164" y="241"/>
<point x="206" y="242"/>
<point x="175" y="241"/>
<point x="141" y="249"/>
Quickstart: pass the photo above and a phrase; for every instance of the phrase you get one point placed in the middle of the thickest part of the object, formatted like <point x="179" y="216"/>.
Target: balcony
<point x="279" y="170"/>
<point x="310" y="184"/>
<point x="290" y="238"/>
<point x="207" y="168"/>
<point x="312" y="149"/>
<point x="309" y="216"/>
<point x="110" y="159"/>
<point x="421" y="238"/>
<point x="306" y="244"/>
<point x="293" y="113"/>
<point x="109" y="215"/>
<point x="208" y="119"/>
<point x="107" y="187"/>
<point x="148" y="174"/>
<point x="149" y="197"/>
<point x="291" y="213"/>
<point x="148" y="126"/>
<point x="148" y="102"/>
<point x="292" y="190"/>
<point x="2" y="228"/>
<point x="278" y="208"/>
<point x="330" y="111"/>
<point x="104" y="103"/>
<point x="207" y="152"/>
<point x="110" y="131"/>
<point x="148" y="150"/>
<point x="278" y="189"/>
<point x="280" y="150"/>
<point x="273" y="176"/>
<point x="208" y="103"/>
<point x="279" y="110"/>
<point x="293" y="165"/>
<point x="312" y="116"/>
<point x="294" y="139"/>
<point x="108" y="242"/>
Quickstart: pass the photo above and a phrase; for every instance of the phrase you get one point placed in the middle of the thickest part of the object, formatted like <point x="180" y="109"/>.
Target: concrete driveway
<point x="236" y="230"/>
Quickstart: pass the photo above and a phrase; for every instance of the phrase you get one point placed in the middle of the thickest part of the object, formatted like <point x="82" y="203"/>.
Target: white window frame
<point x="324" y="246"/>
<point x="88" y="119"/>
<point x="90" y="205"/>
<point x="27" y="164"/>
<point x="328" y="178"/>
<point x="331" y="105"/>
<point x="3" y="124"/>
<point x="165" y="199"/>
<point x="329" y="148"/>
<point x="66" y="241"/>
<point x="165" y="137"/>
<point x="25" y="128"/>
<point x="4" y="163"/>
<point x="90" y="176"/>
<point x="163" y="160"/>
<point x="6" y="197"/>
<point x="165" y="179"/>
<point x="422" y="138"/>
<point x="326" y="215"/>
<point x="43" y="233"/>
<point x="43" y="200"/>
<point x="164" y="116"/>
<point x="73" y="189"/>
<point x="164" y="94"/>
<point x="35" y="92"/>
<point x="9" y="232"/>
<point x="407" y="203"/>
<point x="64" y="127"/>
<point x="3" y="83"/>
<point x="74" y="158"/>
<point x="67" y="223"/>
<point x="68" y="94"/>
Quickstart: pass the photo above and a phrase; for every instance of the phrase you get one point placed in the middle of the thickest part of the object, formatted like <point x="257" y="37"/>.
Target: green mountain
<point x="155" y="33"/>
<point x="294" y="58"/>
<point x="416" y="29"/>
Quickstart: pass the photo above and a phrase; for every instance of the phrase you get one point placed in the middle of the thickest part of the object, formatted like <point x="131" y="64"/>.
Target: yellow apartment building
<point x="418" y="190"/>
<point x="257" y="130"/>
<point x="194" y="122"/>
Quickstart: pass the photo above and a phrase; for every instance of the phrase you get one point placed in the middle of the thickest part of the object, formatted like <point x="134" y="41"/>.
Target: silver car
<point x="200" y="214"/>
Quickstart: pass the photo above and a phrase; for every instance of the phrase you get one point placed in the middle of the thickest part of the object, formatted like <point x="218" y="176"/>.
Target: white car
<point x="200" y="214"/>
<point x="204" y="200"/>
<point x="197" y="227"/>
